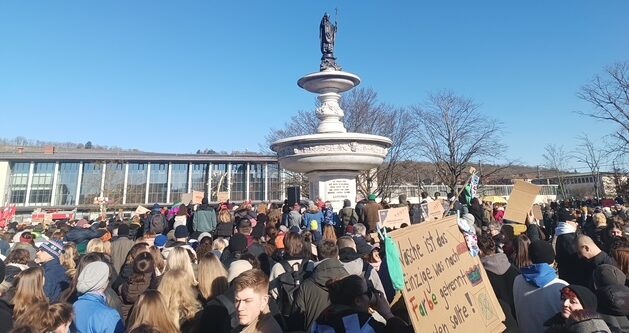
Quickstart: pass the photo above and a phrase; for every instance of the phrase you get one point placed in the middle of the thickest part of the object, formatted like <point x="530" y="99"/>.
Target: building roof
<point x="113" y="155"/>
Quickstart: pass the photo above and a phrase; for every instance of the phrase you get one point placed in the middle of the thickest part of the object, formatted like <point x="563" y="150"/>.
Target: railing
<point x="484" y="190"/>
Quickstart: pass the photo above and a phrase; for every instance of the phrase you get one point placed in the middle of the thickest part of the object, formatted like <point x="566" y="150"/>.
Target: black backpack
<point x="289" y="282"/>
<point x="156" y="224"/>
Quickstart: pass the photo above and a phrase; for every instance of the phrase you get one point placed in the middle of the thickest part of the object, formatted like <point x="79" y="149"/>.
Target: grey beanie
<point x="94" y="277"/>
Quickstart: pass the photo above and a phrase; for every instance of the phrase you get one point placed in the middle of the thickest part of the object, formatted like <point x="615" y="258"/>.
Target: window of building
<point x="219" y="180"/>
<point x="256" y="181"/>
<point x="275" y="182"/>
<point x="90" y="182"/>
<point x="158" y="185"/>
<point x="18" y="183"/>
<point x="114" y="183"/>
<point x="41" y="186"/>
<point x="136" y="183"/>
<point x="67" y="182"/>
<point x="199" y="177"/>
<point x="238" y="182"/>
<point x="178" y="181"/>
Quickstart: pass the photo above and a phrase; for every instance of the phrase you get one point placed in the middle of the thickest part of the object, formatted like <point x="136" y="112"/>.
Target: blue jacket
<point x="92" y="315"/>
<point x="80" y="235"/>
<point x="55" y="280"/>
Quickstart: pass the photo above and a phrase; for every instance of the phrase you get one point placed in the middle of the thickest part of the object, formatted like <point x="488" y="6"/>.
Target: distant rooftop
<point x="53" y="153"/>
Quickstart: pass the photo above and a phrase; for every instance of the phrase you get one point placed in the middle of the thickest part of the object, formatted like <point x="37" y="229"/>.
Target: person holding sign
<point x="349" y="312"/>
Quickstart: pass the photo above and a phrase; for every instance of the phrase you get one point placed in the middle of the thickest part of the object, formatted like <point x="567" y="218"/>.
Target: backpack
<point x="348" y="219"/>
<point x="289" y="282"/>
<point x="156" y="224"/>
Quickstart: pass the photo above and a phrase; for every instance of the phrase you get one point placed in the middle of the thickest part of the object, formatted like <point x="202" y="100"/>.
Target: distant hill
<point x="7" y="144"/>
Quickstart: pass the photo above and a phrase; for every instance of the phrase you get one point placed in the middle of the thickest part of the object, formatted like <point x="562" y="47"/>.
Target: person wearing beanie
<point x="6" y="310"/>
<point x="347" y="215"/>
<point x="612" y="296"/>
<point x="55" y="278"/>
<point x="160" y="241"/>
<point x="573" y="298"/>
<point x="535" y="290"/>
<point x="92" y="314"/>
<point x="181" y="240"/>
<point x="237" y="246"/>
<point x="370" y="214"/>
<point x="204" y="219"/>
<point x="120" y="247"/>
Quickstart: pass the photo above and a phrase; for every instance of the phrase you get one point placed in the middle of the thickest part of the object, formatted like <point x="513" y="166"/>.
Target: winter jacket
<point x="371" y="217"/>
<point x="131" y="290"/>
<point x="337" y="318"/>
<point x="204" y="219"/>
<point x="55" y="279"/>
<point x="569" y="266"/>
<point x="312" y="297"/>
<point x="613" y="306"/>
<point x="119" y="250"/>
<point x="358" y="267"/>
<point x="83" y="235"/>
<point x="6" y="317"/>
<point x="294" y="219"/>
<point x="92" y="315"/>
<point x="224" y="229"/>
<point x="599" y="259"/>
<point x="348" y="215"/>
<point x="536" y="297"/>
<point x="313" y="216"/>
<point x="501" y="274"/>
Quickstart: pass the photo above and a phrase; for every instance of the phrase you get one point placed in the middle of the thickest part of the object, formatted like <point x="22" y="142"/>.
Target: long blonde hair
<point x="212" y="276"/>
<point x="179" y="295"/>
<point x="69" y="259"/>
<point x="150" y="309"/>
<point x="29" y="291"/>
<point x="98" y="245"/>
<point x="178" y="258"/>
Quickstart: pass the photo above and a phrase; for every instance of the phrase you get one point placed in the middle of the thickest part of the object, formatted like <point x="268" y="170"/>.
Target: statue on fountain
<point x="327" y="37"/>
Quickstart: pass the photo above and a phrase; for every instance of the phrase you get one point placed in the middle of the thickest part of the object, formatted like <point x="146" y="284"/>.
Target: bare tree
<point x="590" y="155"/>
<point x="451" y="132"/>
<point x="363" y="114"/>
<point x="609" y="94"/>
<point x="556" y="158"/>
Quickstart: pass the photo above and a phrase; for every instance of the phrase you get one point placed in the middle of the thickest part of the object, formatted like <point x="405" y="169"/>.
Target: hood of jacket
<point x="496" y="263"/>
<point x="613" y="300"/>
<point x="539" y="275"/>
<point x="328" y="269"/>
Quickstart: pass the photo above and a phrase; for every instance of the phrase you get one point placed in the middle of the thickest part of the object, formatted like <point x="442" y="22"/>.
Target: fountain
<point x="331" y="158"/>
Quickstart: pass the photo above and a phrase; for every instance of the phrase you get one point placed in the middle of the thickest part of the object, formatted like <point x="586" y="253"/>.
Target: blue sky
<point x="175" y="76"/>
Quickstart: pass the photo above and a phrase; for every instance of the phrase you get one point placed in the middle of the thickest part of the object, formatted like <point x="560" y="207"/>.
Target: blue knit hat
<point x="53" y="248"/>
<point x="160" y="241"/>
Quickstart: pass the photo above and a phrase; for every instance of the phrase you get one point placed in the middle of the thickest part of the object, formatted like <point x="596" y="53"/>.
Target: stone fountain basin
<point x="328" y="81"/>
<point x="331" y="151"/>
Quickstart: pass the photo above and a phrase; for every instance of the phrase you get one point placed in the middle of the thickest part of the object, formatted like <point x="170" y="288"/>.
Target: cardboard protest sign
<point x="223" y="196"/>
<point x="195" y="197"/>
<point x="521" y="200"/>
<point x="537" y="212"/>
<point x="394" y="217"/>
<point x="446" y="289"/>
<point x="435" y="210"/>
<point x="141" y="210"/>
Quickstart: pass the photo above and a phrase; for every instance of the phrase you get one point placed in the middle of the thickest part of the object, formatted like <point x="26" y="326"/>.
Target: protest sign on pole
<point x="520" y="201"/>
<point x="446" y="289"/>
<point x="394" y="217"/>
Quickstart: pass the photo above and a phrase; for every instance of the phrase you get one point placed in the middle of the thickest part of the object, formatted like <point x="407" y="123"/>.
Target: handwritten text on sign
<point x="446" y="289"/>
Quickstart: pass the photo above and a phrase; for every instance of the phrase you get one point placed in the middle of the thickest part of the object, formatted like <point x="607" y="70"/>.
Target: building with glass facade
<point x="74" y="178"/>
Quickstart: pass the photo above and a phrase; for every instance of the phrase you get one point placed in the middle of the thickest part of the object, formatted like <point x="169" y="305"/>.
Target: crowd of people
<point x="300" y="267"/>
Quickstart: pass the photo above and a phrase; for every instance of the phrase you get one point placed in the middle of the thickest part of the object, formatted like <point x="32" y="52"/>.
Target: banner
<point x="520" y="201"/>
<point x="446" y="289"/>
<point x="193" y="197"/>
<point x="474" y="182"/>
<point x="394" y="217"/>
